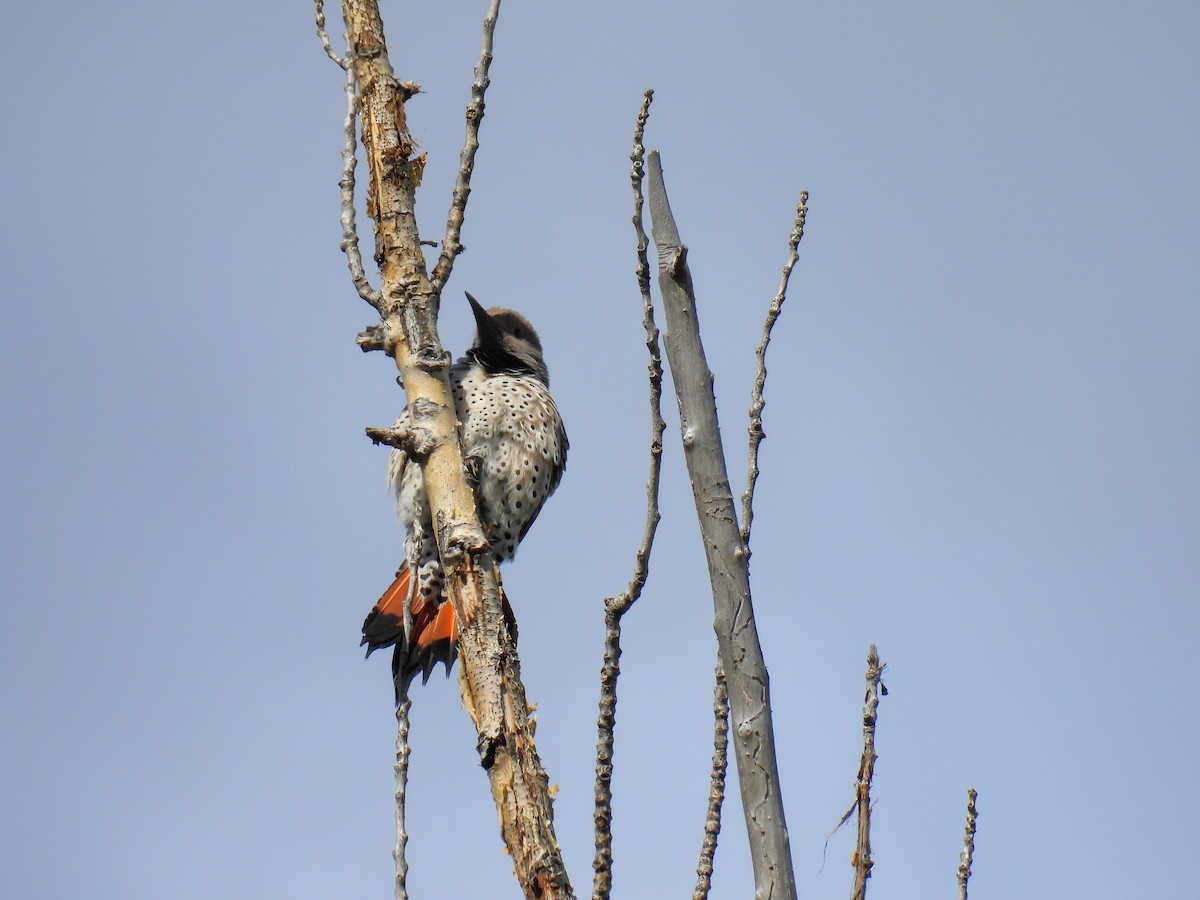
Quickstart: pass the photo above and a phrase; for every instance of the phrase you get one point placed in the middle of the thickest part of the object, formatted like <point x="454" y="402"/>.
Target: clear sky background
<point x="982" y="446"/>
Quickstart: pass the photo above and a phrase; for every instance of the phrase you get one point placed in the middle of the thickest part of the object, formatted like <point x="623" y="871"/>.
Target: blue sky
<point x="981" y="455"/>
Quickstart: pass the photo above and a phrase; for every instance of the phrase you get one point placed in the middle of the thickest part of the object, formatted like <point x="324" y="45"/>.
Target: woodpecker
<point x="515" y="451"/>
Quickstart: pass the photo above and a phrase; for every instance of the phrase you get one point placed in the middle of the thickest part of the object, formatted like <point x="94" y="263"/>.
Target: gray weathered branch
<point x="324" y="36"/>
<point x="757" y="399"/>
<point x="716" y="788"/>
<point x="466" y="161"/>
<point x="403" y="751"/>
<point x="967" y="856"/>
<point x="346" y="183"/>
<point x="728" y="562"/>
<point x="616" y="607"/>
<point x="861" y="860"/>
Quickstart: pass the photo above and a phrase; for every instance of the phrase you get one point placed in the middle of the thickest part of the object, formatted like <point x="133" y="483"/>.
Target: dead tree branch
<point x="716" y="790"/>
<point x="346" y="183"/>
<point x="323" y="35"/>
<point x="728" y="563"/>
<point x="616" y="607"/>
<point x="403" y="751"/>
<point x="408" y="303"/>
<point x="967" y="857"/>
<point x="757" y="400"/>
<point x="866" y="772"/>
<point x="466" y="161"/>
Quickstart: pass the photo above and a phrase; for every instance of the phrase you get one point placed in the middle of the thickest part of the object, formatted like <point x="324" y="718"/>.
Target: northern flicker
<point x="515" y="450"/>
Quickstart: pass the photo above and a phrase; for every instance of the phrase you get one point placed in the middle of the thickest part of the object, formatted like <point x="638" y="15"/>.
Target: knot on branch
<point x="673" y="260"/>
<point x="422" y="408"/>
<point x="433" y="360"/>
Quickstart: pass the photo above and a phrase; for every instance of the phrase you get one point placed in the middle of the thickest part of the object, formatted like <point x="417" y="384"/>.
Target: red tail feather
<point x="434" y="636"/>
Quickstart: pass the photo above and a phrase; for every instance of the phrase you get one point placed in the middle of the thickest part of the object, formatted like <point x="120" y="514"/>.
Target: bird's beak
<point x="489" y="333"/>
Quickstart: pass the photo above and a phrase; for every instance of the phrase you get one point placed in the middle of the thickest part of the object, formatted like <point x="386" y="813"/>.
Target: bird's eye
<point x="517" y="333"/>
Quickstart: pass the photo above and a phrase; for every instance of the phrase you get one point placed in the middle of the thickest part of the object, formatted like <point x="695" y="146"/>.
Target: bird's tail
<point x="434" y="630"/>
<point x="433" y="638"/>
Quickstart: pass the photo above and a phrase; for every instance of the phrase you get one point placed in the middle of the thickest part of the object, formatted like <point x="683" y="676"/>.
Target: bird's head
<point x="506" y="342"/>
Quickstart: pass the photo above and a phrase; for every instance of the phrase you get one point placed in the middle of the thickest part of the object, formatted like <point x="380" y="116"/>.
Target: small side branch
<point x="346" y="183"/>
<point x="968" y="851"/>
<point x="417" y="443"/>
<point x="451" y="246"/>
<point x="866" y="772"/>
<point x="324" y="36"/>
<point x="757" y="402"/>
<point x="616" y="607"/>
<point x="373" y="337"/>
<point x="716" y="791"/>
<point x="403" y="750"/>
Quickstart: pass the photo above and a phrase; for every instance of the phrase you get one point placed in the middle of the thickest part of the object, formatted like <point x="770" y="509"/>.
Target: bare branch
<point x="403" y="751"/>
<point x="728" y="564"/>
<point x="654" y="366"/>
<point x="760" y="378"/>
<point x="489" y="669"/>
<point x="716" y="791"/>
<point x="861" y="860"/>
<point x="323" y="35"/>
<point x="346" y="183"/>
<point x="968" y="851"/>
<point x="349" y="244"/>
<point x="616" y="607"/>
<point x="466" y="161"/>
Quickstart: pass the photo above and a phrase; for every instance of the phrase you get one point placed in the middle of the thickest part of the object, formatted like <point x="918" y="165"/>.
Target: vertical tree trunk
<point x="728" y="559"/>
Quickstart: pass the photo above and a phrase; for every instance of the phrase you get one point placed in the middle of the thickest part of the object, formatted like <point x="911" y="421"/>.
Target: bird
<point x="514" y="452"/>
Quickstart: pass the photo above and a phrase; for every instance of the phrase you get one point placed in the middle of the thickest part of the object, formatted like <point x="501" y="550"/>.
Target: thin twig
<point x="968" y="851"/>
<point x="329" y="51"/>
<point x="866" y="772"/>
<point x="616" y="607"/>
<point x="349" y="243"/>
<point x="466" y="160"/>
<point x="757" y="402"/>
<point x="716" y="792"/>
<point x="403" y="750"/>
